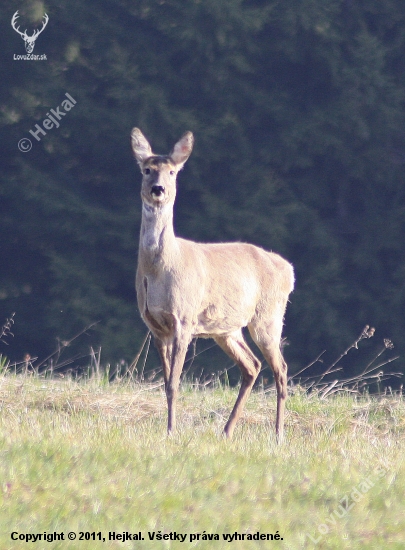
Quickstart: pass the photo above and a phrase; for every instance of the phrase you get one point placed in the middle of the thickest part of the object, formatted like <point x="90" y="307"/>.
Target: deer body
<point x="187" y="289"/>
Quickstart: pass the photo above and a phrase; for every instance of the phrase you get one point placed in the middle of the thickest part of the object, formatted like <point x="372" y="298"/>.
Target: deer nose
<point x="157" y="190"/>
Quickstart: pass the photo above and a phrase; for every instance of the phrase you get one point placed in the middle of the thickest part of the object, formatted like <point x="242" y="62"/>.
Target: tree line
<point x="298" y="113"/>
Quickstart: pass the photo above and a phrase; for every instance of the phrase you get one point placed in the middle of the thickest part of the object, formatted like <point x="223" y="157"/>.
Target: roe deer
<point x="187" y="290"/>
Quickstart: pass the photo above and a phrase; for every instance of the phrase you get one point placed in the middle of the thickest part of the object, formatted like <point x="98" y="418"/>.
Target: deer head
<point x="28" y="40"/>
<point x="160" y="171"/>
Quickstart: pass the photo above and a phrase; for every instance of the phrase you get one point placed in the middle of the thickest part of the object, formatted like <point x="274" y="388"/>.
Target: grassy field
<point x="92" y="457"/>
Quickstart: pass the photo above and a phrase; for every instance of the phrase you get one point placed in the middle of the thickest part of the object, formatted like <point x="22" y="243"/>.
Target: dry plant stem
<point x="61" y="346"/>
<point x="146" y="356"/>
<point x="352" y="384"/>
<point x="194" y="355"/>
<point x="132" y="366"/>
<point x="6" y="329"/>
<point x="96" y="360"/>
<point x="367" y="332"/>
<point x="307" y="366"/>
<point x="387" y="345"/>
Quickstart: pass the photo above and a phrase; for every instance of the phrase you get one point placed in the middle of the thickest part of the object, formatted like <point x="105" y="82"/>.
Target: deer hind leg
<point x="267" y="337"/>
<point x="237" y="349"/>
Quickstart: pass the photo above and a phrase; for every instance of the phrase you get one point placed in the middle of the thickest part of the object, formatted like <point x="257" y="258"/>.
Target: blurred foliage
<point x="298" y="113"/>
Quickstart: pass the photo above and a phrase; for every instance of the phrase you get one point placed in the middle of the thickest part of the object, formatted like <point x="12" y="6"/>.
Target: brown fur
<point x="187" y="289"/>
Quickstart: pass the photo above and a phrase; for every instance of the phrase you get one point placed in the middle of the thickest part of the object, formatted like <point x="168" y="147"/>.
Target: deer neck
<point x="157" y="239"/>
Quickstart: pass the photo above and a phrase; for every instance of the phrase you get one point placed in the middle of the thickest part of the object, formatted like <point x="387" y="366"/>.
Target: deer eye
<point x="146" y="171"/>
<point x="172" y="172"/>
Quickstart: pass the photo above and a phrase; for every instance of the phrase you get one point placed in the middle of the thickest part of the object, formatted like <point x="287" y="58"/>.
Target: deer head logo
<point x="29" y="40"/>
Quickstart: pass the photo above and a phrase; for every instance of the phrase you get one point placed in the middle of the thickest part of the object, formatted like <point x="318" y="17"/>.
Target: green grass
<point x="94" y="457"/>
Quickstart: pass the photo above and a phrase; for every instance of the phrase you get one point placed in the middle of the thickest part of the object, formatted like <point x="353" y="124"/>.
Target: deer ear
<point x="140" y="146"/>
<point x="182" y="149"/>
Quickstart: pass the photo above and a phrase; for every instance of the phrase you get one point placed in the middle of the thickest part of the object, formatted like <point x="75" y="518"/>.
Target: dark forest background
<point x="297" y="108"/>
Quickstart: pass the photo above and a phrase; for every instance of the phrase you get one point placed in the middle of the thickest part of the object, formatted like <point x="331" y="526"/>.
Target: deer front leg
<point x="178" y="355"/>
<point x="171" y="340"/>
<point x="165" y="353"/>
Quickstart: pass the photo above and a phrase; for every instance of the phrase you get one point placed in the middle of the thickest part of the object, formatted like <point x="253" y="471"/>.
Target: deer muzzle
<point x="157" y="190"/>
